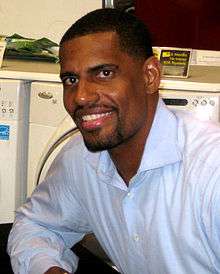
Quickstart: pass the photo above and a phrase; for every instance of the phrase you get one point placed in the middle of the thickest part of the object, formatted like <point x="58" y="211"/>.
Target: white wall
<point x="42" y="18"/>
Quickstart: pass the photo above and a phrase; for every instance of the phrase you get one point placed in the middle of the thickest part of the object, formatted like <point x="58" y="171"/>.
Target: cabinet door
<point x="182" y="23"/>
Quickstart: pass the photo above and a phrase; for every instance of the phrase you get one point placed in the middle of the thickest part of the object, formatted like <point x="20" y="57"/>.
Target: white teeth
<point x="94" y="116"/>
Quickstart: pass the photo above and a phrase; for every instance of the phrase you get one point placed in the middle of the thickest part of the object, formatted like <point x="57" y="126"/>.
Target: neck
<point x="127" y="159"/>
<point x="127" y="156"/>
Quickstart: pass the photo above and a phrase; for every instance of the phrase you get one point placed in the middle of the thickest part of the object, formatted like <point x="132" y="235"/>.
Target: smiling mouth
<point x="94" y="121"/>
<point x="92" y="117"/>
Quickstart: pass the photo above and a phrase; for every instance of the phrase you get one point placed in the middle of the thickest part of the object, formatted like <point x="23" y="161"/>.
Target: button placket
<point x="130" y="213"/>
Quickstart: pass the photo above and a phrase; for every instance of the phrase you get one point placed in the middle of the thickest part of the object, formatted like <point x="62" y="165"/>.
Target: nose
<point x="86" y="93"/>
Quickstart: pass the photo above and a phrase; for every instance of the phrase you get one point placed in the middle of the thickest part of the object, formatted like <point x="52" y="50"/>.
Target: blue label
<point x="4" y="132"/>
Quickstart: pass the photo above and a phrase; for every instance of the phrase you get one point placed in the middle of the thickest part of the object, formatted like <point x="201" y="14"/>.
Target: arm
<point x="210" y="213"/>
<point x="47" y="226"/>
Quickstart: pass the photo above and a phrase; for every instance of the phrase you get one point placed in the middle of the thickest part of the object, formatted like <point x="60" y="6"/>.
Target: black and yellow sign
<point x="175" y="62"/>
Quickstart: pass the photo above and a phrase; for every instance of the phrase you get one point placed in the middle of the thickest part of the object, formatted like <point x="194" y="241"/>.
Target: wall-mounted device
<point x="127" y="5"/>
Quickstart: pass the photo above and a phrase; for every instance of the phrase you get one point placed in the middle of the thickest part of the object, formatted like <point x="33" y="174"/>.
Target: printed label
<point x="175" y="62"/>
<point x="4" y="132"/>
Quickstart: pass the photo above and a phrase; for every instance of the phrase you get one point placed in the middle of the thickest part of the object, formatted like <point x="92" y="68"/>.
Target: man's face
<point x="104" y="90"/>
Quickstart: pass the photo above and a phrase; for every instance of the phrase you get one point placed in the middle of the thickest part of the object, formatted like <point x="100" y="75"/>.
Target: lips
<point x="94" y="121"/>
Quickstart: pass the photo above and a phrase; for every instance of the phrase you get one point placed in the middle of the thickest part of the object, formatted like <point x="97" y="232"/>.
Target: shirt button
<point x="130" y="195"/>
<point x="136" y="237"/>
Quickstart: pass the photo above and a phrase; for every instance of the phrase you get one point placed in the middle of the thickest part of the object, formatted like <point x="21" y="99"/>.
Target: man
<point x="144" y="180"/>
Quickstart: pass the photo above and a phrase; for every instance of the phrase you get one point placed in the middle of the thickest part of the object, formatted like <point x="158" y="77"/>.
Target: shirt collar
<point x="162" y="146"/>
<point x="160" y="149"/>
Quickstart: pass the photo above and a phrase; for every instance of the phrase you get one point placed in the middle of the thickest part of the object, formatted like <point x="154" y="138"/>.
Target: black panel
<point x="182" y="23"/>
<point x="5" y="265"/>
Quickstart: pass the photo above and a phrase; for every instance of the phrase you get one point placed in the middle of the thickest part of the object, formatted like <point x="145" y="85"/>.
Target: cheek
<point x="68" y="102"/>
<point x="132" y="98"/>
<point x="134" y="105"/>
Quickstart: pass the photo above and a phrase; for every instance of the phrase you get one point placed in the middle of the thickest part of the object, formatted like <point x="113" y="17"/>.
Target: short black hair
<point x="134" y="37"/>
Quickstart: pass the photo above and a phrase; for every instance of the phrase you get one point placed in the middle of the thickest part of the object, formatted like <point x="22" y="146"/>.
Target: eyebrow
<point x="101" y="67"/>
<point x="90" y="70"/>
<point x="67" y="74"/>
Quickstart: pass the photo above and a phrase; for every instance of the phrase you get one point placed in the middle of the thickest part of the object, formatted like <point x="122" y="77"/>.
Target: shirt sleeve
<point x="48" y="225"/>
<point x="210" y="208"/>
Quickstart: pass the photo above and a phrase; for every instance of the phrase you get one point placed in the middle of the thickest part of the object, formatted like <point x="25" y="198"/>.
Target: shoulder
<point x="201" y="139"/>
<point x="201" y="162"/>
<point x="75" y="143"/>
<point x="72" y="148"/>
<point x="75" y="154"/>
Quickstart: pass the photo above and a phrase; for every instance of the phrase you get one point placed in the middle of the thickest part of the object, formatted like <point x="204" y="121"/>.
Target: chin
<point x="103" y="143"/>
<point x="99" y="146"/>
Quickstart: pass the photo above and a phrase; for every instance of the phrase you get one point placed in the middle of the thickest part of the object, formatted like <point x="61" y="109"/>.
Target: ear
<point x="152" y="74"/>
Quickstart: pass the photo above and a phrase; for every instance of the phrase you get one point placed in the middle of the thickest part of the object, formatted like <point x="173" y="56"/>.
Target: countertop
<point x="201" y="78"/>
<point x="30" y="70"/>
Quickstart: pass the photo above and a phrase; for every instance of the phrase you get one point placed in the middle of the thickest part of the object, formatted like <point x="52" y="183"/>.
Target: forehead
<point x="93" y="39"/>
<point x="99" y="40"/>
<point x="91" y="48"/>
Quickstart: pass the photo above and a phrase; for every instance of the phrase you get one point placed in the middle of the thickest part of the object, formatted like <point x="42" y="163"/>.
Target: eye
<point x="105" y="73"/>
<point x="70" y="81"/>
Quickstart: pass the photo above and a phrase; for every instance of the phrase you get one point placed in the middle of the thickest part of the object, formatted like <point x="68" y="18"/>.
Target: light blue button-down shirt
<point x="166" y="221"/>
